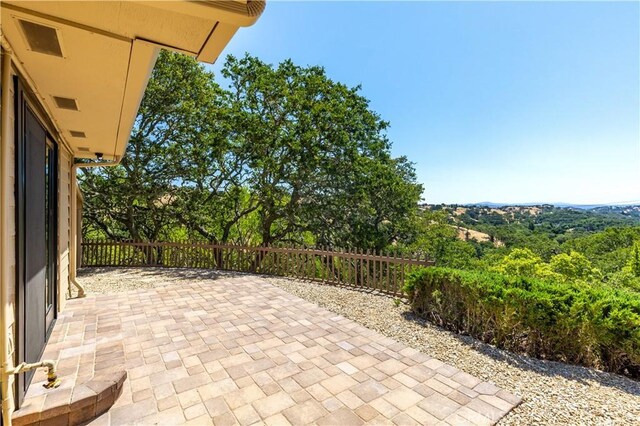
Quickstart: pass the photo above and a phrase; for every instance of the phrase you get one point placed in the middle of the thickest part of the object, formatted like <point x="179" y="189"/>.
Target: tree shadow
<point x="572" y="372"/>
<point x="174" y="274"/>
<point x="105" y="280"/>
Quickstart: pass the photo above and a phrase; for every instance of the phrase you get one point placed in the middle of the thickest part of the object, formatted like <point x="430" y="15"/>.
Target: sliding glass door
<point x="36" y="236"/>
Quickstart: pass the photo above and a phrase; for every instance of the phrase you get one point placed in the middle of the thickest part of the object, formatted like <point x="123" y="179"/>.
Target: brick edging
<point x="88" y="401"/>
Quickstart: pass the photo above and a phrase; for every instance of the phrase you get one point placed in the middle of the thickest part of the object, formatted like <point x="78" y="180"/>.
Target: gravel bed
<point x="552" y="392"/>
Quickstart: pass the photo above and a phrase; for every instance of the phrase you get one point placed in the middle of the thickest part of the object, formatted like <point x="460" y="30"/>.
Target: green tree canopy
<point x="137" y="199"/>
<point x="574" y="266"/>
<point x="633" y="264"/>
<point x="284" y="154"/>
<point x="522" y="262"/>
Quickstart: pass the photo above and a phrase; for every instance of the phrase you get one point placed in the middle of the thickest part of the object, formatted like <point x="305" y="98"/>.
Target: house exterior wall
<point x="9" y="233"/>
<point x="65" y="162"/>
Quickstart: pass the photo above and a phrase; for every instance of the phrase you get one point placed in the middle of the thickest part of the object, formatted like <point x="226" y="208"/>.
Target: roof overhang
<point x="104" y="55"/>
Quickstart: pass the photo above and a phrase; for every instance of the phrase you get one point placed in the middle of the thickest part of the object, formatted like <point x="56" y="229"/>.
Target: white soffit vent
<point x="41" y="39"/>
<point x="66" y="103"/>
<point x="77" y="134"/>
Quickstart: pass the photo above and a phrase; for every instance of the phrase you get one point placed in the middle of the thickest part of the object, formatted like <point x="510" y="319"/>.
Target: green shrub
<point x="562" y="321"/>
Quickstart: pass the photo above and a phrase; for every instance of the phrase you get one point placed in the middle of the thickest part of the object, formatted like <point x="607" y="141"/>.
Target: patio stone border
<point x="73" y="407"/>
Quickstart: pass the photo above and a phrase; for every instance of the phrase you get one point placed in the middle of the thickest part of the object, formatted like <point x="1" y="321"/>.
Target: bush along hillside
<point x="555" y="320"/>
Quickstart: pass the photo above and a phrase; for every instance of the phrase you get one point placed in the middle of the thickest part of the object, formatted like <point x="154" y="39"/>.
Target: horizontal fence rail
<point x="384" y="272"/>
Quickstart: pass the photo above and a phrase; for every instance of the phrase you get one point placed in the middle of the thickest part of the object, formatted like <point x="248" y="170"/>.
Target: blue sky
<point x="493" y="101"/>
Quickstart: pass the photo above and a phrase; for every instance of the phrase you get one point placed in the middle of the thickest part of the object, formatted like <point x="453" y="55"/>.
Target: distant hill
<point x="505" y="222"/>
<point x="631" y="211"/>
<point x="634" y="204"/>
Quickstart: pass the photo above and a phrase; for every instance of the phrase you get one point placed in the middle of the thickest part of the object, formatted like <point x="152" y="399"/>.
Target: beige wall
<point x="65" y="161"/>
<point x="10" y="234"/>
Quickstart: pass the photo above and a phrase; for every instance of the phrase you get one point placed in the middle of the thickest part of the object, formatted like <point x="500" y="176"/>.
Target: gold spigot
<point x="52" y="378"/>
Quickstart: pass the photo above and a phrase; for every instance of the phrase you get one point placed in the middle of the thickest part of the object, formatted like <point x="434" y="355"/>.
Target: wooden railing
<point x="384" y="272"/>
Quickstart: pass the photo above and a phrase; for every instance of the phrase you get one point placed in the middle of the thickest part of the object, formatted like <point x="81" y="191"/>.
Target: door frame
<point x="23" y="100"/>
<point x="51" y="311"/>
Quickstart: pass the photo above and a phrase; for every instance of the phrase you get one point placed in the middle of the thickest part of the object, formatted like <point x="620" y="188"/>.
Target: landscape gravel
<point x="553" y="393"/>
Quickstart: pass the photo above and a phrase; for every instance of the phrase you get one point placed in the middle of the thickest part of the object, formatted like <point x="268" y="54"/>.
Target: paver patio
<point x="241" y="351"/>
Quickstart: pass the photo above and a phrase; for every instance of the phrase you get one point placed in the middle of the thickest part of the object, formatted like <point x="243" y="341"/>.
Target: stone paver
<point x="241" y="351"/>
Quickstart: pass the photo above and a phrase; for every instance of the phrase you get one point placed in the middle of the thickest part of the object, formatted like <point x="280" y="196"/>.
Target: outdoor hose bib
<point x="52" y="378"/>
